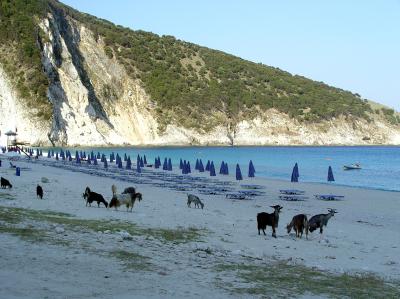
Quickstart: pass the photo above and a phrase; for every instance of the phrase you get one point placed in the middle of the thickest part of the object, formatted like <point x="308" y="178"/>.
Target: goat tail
<point x="113" y="189"/>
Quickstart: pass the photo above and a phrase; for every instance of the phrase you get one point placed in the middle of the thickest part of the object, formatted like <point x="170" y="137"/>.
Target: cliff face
<point x="95" y="102"/>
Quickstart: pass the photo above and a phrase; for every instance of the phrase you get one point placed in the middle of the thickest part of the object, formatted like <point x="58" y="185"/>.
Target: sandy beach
<point x="58" y="247"/>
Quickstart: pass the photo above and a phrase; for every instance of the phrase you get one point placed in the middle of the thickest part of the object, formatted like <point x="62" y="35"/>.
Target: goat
<point x="320" y="220"/>
<point x="299" y="223"/>
<point x="196" y="200"/>
<point x="265" y="219"/>
<point x="93" y="196"/>
<point x="125" y="199"/>
<point x="5" y="183"/>
<point x="39" y="191"/>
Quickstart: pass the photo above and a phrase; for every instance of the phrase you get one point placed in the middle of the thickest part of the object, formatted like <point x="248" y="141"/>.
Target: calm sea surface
<point x="380" y="165"/>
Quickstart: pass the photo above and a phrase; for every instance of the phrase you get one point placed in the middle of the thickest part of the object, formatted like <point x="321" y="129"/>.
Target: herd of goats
<point x="128" y="197"/>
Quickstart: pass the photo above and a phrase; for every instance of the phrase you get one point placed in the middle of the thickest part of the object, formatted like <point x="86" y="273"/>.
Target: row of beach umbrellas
<point x="184" y="165"/>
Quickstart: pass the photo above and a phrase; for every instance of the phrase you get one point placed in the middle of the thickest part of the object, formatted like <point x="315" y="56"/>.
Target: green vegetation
<point x="188" y="82"/>
<point x="20" y="52"/>
<point x="132" y="260"/>
<point x="280" y="280"/>
<point x="180" y="235"/>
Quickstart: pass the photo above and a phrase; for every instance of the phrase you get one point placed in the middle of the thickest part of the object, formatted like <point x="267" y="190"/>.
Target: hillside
<point x="137" y="87"/>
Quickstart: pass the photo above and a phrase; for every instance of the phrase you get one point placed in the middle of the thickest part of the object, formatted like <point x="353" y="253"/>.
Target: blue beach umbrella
<point x="52" y="153"/>
<point x="251" y="170"/>
<point x="128" y="163"/>
<point x="201" y="167"/>
<point x="144" y="160"/>
<point x="69" y="158"/>
<point x="222" y="168"/>
<point x="94" y="161"/>
<point x="226" y="169"/>
<point x="180" y="164"/>
<point x="238" y="173"/>
<point x="98" y="155"/>
<point x="330" y="175"/>
<point x="169" y="164"/>
<point x="138" y="169"/>
<point x="120" y="163"/>
<point x="89" y="161"/>
<point x="48" y="154"/>
<point x="57" y="156"/>
<point x="125" y="158"/>
<point x="188" y="169"/>
<point x="184" y="168"/>
<point x="105" y="163"/>
<point x="141" y="162"/>
<point x="212" y="169"/>
<point x="78" y="160"/>
<point x="156" y="162"/>
<point x="295" y="174"/>
<point x="165" y="164"/>
<point x="208" y="166"/>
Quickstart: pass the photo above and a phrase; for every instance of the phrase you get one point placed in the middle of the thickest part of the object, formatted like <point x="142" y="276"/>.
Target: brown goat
<point x="299" y="223"/>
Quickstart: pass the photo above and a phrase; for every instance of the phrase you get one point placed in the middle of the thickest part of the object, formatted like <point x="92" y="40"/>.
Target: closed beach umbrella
<point x="144" y="160"/>
<point x="57" y="156"/>
<point x="169" y="164"/>
<point x="212" y="169"/>
<point x="94" y="161"/>
<point x="251" y="170"/>
<point x="78" y="160"/>
<point x="226" y="168"/>
<point x="128" y="163"/>
<point x="98" y="155"/>
<point x="70" y="158"/>
<point x="105" y="163"/>
<point x="48" y="154"/>
<point x="184" y="167"/>
<point x="89" y="161"/>
<point x="111" y="158"/>
<point x="156" y="162"/>
<point x="141" y="162"/>
<point x="222" y="168"/>
<point x="295" y="174"/>
<point x="330" y="175"/>
<point x="125" y="158"/>
<point x="165" y="164"/>
<point x="180" y="164"/>
<point x="188" y="169"/>
<point x="201" y="167"/>
<point x="120" y="163"/>
<point x="208" y="166"/>
<point x="238" y="173"/>
<point x="138" y="169"/>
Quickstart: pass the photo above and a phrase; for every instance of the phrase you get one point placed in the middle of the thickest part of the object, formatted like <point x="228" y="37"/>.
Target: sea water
<point x="380" y="164"/>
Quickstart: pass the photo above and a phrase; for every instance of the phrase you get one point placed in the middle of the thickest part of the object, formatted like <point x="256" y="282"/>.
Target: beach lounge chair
<point x="328" y="197"/>
<point x="236" y="196"/>
<point x="290" y="197"/>
<point x="292" y="192"/>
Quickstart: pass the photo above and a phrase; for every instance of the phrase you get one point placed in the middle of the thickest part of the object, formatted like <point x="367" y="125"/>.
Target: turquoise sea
<point x="380" y="164"/>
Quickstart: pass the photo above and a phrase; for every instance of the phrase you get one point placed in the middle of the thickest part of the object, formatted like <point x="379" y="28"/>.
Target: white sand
<point x="363" y="237"/>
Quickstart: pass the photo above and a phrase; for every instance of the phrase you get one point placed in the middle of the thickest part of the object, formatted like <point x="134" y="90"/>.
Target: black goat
<point x="39" y="191"/>
<point x="93" y="196"/>
<point x="129" y="190"/>
<point x="265" y="219"/>
<point x="299" y="223"/>
<point x="320" y="220"/>
<point x="5" y="183"/>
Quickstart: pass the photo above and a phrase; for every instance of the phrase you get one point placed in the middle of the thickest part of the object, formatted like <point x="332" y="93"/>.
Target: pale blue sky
<point x="351" y="44"/>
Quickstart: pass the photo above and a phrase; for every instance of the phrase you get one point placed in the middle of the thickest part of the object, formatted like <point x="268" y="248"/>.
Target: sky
<point x="354" y="45"/>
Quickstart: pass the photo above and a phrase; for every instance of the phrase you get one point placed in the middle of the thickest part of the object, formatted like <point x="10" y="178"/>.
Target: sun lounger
<point x="328" y="197"/>
<point x="252" y="187"/>
<point x="289" y="197"/>
<point x="292" y="192"/>
<point x="236" y="196"/>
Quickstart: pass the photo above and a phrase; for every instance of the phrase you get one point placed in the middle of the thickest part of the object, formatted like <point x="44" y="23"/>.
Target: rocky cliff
<point x="96" y="101"/>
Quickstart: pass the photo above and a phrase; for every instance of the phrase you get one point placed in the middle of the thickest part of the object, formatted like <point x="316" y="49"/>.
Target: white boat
<point x="352" y="166"/>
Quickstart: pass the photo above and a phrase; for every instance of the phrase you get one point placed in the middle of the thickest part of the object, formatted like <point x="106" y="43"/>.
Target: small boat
<point x="352" y="166"/>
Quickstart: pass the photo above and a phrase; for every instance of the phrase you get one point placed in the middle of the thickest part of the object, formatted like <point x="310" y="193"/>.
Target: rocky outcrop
<point x="95" y="102"/>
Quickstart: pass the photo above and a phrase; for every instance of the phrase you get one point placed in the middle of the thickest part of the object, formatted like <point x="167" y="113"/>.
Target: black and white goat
<point x="299" y="223"/>
<point x="320" y="220"/>
<point x="93" y="196"/>
<point x="128" y="199"/>
<point x="266" y="219"/>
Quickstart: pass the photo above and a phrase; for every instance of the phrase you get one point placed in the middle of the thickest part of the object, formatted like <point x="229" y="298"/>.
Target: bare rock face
<point x="95" y="102"/>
